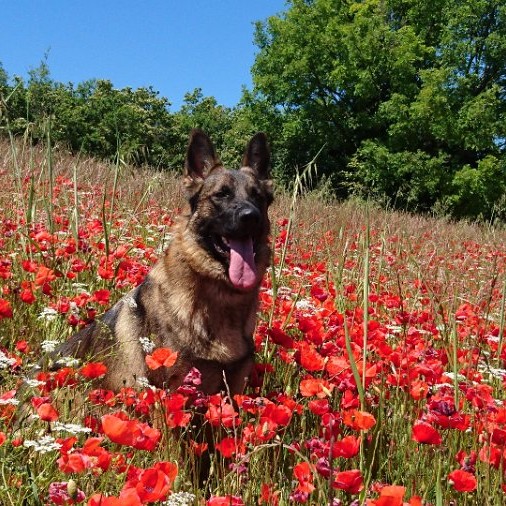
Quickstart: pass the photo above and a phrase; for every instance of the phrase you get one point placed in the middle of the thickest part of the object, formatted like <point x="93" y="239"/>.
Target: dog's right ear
<point x="200" y="156"/>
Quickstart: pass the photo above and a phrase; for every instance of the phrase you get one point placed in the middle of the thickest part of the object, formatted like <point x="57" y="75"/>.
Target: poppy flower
<point x="391" y="495"/>
<point x="101" y="296"/>
<point x="319" y="406"/>
<point x="227" y="446"/>
<point x="280" y="337"/>
<point x="223" y="414"/>
<point x="424" y="433"/>
<point x="44" y="275"/>
<point x="349" y="481"/>
<point x="268" y="495"/>
<point x="315" y="386"/>
<point x="153" y="485"/>
<point x="198" y="448"/>
<point x="93" y="370"/>
<point x="347" y="447"/>
<point x="462" y="481"/>
<point x="304" y="475"/>
<point x="310" y="359"/>
<point x="5" y="309"/>
<point x="132" y="433"/>
<point x="161" y="357"/>
<point x="359" y="420"/>
<point x="127" y="497"/>
<point x="227" y="500"/>
<point x="47" y="412"/>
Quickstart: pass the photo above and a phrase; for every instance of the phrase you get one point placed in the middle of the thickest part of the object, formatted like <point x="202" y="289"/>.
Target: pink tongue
<point x="242" y="270"/>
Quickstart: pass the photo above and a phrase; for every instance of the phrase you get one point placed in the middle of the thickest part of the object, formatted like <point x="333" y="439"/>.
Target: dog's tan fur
<point x="188" y="302"/>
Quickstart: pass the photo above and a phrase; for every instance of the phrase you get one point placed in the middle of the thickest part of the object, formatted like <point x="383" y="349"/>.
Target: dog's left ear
<point x="258" y="156"/>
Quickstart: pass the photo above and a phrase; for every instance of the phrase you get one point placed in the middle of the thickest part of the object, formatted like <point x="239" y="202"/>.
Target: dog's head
<point x="228" y="208"/>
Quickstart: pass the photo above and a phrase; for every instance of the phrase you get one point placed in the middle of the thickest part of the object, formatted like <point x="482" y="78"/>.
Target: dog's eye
<point x="255" y="195"/>
<point x="223" y="193"/>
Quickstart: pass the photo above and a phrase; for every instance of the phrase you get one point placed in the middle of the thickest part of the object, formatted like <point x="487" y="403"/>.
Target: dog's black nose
<point x="249" y="215"/>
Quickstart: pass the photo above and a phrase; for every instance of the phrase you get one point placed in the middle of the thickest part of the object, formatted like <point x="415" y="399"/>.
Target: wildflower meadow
<point x="380" y="354"/>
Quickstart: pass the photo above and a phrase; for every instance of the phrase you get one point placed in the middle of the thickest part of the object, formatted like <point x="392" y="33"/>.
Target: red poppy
<point x="198" y="448"/>
<point x="127" y="497"/>
<point x="161" y="357"/>
<point x="101" y="296"/>
<point x="390" y="495"/>
<point x="93" y="370"/>
<point x="424" y="433"/>
<point x="119" y="429"/>
<point x="279" y="415"/>
<point x="319" y="406"/>
<point x="315" y="386"/>
<point x="227" y="446"/>
<point x="223" y="414"/>
<point x="5" y="309"/>
<point x="44" y="275"/>
<point x="462" y="481"/>
<point x="359" y="420"/>
<point x="226" y="500"/>
<point x="347" y="447"/>
<point x="310" y="359"/>
<point x="47" y="413"/>
<point x="153" y="485"/>
<point x="280" y="337"/>
<point x="26" y="294"/>
<point x="304" y="475"/>
<point x="268" y="495"/>
<point x="178" y="418"/>
<point x="349" y="481"/>
<point x="75" y="462"/>
<point x="23" y="346"/>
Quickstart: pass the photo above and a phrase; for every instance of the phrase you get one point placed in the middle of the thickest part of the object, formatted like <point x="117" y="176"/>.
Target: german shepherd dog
<point x="200" y="299"/>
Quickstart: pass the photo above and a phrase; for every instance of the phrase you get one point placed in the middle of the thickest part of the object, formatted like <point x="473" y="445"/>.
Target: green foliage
<point x="406" y="97"/>
<point x="402" y="100"/>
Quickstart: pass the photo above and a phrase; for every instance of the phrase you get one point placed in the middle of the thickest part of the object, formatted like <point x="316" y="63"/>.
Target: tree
<point x="406" y="97"/>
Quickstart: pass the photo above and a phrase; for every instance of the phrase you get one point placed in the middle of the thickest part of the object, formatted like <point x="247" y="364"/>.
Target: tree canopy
<point x="406" y="97"/>
<point x="404" y="101"/>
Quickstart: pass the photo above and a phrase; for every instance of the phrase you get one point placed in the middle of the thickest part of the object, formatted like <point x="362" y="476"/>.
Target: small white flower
<point x="34" y="383"/>
<point x="80" y="286"/>
<point x="304" y="305"/>
<point x="147" y="345"/>
<point x="45" y="444"/>
<point x="68" y="362"/>
<point x="73" y="428"/>
<point x="451" y="376"/>
<point x="5" y="361"/>
<point x="143" y="382"/>
<point x="49" y="345"/>
<point x="48" y="314"/>
<point x="180" y="499"/>
<point x="12" y="402"/>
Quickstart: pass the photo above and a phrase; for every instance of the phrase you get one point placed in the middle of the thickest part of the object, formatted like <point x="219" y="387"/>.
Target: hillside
<point x="380" y="356"/>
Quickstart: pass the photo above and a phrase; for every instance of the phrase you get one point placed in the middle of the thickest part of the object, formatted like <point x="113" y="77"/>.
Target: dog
<point x="200" y="299"/>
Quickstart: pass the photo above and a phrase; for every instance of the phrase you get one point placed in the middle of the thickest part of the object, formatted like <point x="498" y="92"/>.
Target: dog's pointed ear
<point x="258" y="156"/>
<point x="200" y="156"/>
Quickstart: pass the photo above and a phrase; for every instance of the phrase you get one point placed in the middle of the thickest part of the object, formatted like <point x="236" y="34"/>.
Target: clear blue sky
<point x="172" y="45"/>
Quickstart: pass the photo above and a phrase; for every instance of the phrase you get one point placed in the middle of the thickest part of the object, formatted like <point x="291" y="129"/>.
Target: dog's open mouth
<point x="240" y="253"/>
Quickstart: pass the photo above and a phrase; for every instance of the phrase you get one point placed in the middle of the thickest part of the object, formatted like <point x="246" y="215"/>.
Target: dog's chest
<point x="221" y="336"/>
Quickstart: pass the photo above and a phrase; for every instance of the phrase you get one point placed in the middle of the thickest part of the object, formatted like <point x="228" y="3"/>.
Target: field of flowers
<point x="380" y="371"/>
